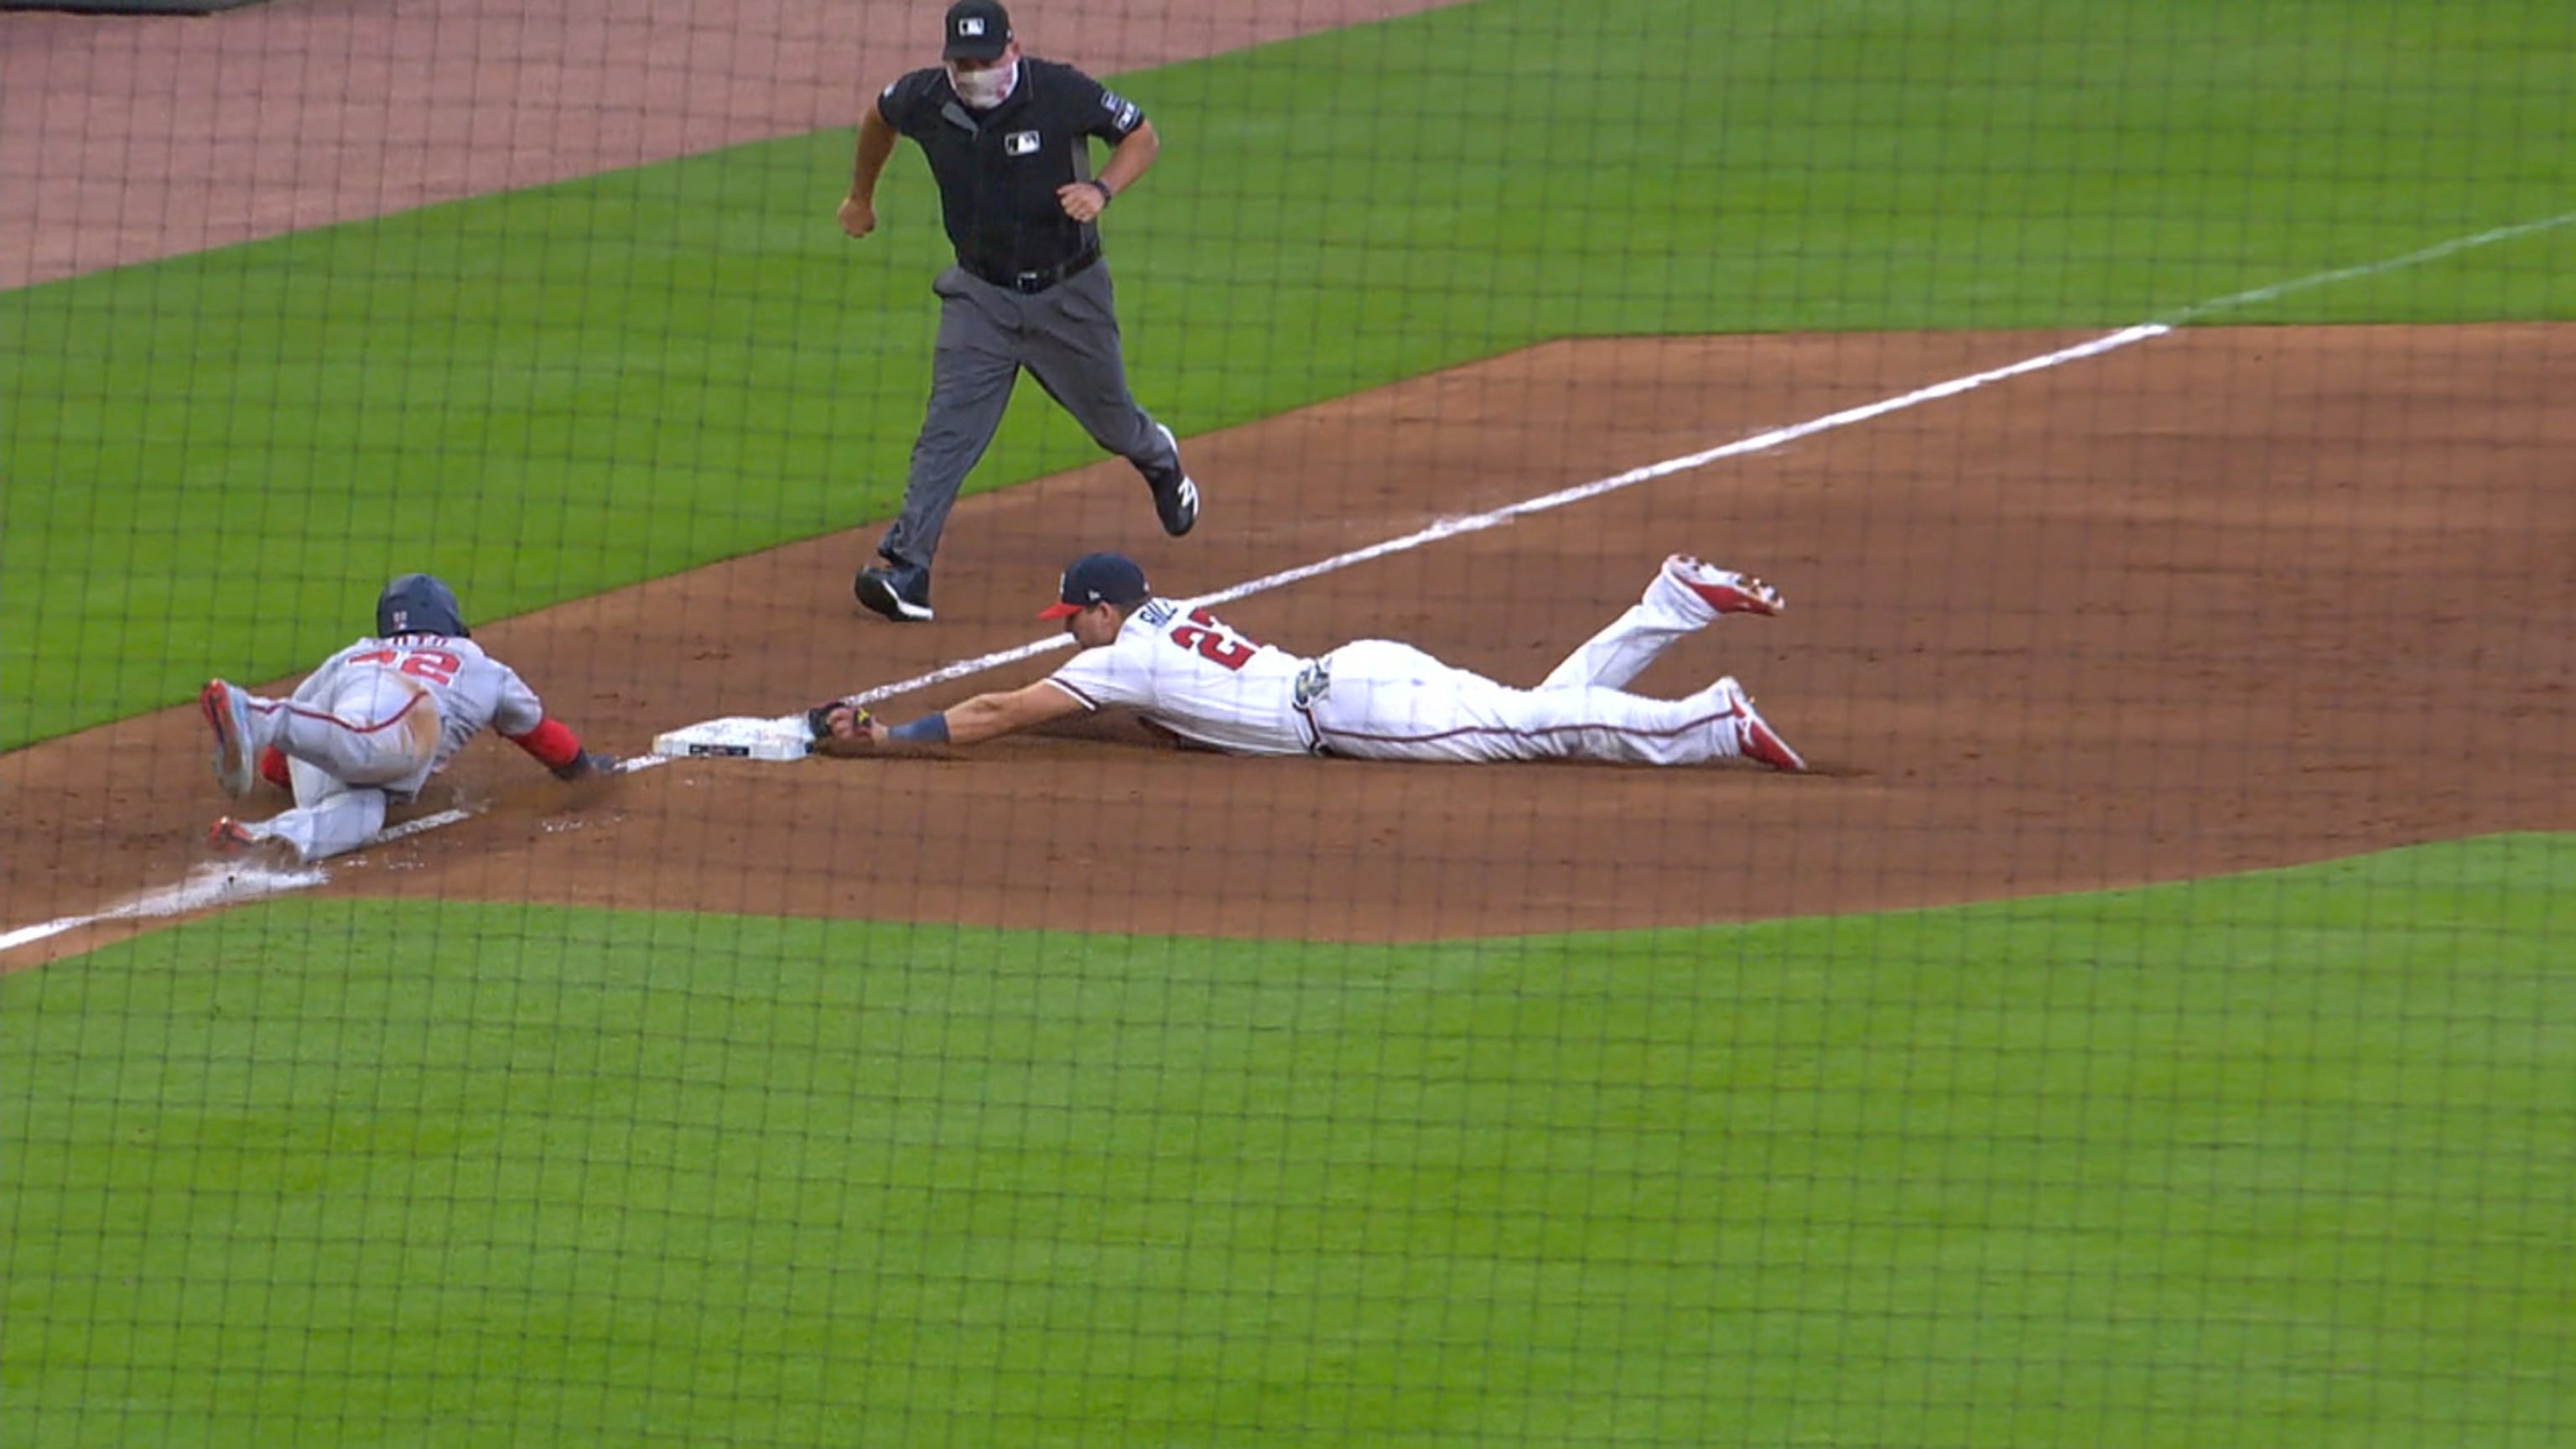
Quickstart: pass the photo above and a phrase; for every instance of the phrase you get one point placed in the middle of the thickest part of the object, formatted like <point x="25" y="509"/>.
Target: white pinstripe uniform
<point x="1189" y="673"/>
<point x="372" y="725"/>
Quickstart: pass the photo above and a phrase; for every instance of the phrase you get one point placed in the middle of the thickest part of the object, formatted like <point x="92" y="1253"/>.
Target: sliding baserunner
<point x="370" y="727"/>
<point x="1191" y="676"/>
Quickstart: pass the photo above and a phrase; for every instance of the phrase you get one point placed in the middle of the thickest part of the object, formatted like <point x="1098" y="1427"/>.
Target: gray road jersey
<point x="472" y="689"/>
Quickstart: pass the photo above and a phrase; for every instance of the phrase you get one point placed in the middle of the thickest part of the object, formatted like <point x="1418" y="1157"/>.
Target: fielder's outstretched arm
<point x="843" y="729"/>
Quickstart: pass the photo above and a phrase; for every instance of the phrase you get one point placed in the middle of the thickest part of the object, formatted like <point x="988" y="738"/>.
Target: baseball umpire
<point x="1007" y="138"/>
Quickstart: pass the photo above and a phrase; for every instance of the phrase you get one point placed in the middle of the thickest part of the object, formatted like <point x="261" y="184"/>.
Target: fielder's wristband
<point x="930" y="729"/>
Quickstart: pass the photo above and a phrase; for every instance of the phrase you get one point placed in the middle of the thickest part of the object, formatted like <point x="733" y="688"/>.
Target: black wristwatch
<point x="1106" y="195"/>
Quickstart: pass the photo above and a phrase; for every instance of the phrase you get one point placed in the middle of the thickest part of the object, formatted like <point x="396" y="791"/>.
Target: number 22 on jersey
<point x="434" y="666"/>
<point x="1213" y="641"/>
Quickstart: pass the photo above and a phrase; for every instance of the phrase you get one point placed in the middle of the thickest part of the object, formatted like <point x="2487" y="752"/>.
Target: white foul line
<point x="2433" y="253"/>
<point x="1494" y="518"/>
<point x="1759" y="442"/>
<point x="207" y="885"/>
<point x="157" y="903"/>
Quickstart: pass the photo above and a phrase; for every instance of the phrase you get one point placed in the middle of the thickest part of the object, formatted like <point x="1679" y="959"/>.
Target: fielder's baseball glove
<point x="818" y="722"/>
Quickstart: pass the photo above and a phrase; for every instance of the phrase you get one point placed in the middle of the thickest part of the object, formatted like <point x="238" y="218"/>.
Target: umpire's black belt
<point x="1034" y="281"/>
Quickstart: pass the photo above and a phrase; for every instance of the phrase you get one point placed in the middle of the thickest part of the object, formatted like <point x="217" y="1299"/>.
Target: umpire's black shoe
<point x="900" y="592"/>
<point x="1176" y="498"/>
<point x="1177" y="506"/>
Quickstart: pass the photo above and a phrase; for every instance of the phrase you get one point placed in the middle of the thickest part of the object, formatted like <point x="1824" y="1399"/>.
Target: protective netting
<point x="2120" y="451"/>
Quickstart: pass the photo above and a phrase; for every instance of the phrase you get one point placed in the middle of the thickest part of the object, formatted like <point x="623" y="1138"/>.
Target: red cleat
<point x="1754" y="737"/>
<point x="1723" y="590"/>
<point x="229" y="718"/>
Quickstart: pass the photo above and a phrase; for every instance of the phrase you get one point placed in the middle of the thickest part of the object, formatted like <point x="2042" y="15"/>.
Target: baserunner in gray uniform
<point x="1008" y="141"/>
<point x="370" y="727"/>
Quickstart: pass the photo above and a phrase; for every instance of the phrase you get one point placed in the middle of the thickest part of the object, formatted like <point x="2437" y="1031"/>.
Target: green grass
<point x="211" y="463"/>
<point x="2278" y="1159"/>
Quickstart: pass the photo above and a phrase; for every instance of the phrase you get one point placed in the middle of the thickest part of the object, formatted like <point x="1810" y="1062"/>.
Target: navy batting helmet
<point x="419" y="604"/>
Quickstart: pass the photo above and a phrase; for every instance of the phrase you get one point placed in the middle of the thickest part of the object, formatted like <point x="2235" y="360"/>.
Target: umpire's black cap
<point x="1098" y="578"/>
<point x="976" y="30"/>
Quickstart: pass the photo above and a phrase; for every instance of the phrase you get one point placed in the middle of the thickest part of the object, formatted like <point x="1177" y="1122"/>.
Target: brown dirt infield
<point x="2231" y="598"/>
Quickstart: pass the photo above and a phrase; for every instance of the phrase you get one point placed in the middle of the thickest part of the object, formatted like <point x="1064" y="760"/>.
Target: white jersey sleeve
<point x="1187" y="672"/>
<point x="1118" y="673"/>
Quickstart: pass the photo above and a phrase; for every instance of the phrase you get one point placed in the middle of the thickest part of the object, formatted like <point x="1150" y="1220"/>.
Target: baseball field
<point x="2153" y="1022"/>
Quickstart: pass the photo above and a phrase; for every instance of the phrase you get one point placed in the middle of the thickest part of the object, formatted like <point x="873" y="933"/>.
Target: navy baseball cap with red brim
<point x="1098" y="578"/>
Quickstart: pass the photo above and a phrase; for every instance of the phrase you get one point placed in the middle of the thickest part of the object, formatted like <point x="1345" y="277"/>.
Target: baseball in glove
<point x="852" y="738"/>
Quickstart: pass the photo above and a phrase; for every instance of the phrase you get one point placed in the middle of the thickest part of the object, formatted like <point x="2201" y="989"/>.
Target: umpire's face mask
<point x="987" y="87"/>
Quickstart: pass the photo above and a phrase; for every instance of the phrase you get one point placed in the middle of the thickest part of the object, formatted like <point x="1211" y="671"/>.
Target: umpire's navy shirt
<point x="998" y="169"/>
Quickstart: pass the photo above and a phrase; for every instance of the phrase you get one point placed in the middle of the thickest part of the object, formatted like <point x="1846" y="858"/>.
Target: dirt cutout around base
<point x="2231" y="598"/>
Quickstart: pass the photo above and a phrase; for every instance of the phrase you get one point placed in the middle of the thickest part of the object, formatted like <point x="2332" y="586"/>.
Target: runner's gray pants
<point x="1067" y="337"/>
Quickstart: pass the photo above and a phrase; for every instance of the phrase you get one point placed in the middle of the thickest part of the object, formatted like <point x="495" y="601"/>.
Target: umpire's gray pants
<point x="1067" y="337"/>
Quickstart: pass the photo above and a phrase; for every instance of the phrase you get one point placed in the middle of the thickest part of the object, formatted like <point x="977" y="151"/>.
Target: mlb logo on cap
<point x="1098" y="578"/>
<point x="977" y="30"/>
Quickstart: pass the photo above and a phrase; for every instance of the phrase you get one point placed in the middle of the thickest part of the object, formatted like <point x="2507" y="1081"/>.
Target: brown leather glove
<point x="852" y="739"/>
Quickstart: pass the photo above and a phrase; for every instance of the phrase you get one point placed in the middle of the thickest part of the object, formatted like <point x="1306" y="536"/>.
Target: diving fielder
<point x="1190" y="675"/>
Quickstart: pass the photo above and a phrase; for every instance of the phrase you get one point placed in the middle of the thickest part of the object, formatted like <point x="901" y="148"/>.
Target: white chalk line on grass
<point x="2433" y="253"/>
<point x="220" y="884"/>
<point x="191" y="895"/>
<point x="239" y="882"/>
